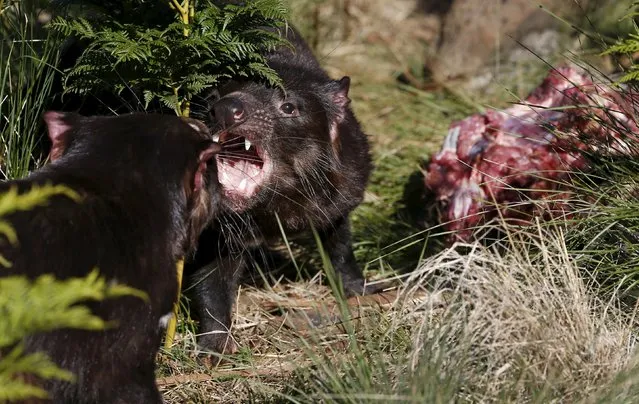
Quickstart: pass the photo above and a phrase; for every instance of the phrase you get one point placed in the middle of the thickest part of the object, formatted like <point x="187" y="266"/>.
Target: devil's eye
<point x="287" y="108"/>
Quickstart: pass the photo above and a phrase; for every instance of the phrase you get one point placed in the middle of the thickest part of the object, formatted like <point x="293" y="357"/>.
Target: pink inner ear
<point x="205" y="156"/>
<point x="340" y="97"/>
<point x="57" y="127"/>
<point x="198" y="181"/>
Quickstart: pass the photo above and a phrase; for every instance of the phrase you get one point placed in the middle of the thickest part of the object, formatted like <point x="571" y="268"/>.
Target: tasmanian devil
<point x="295" y="153"/>
<point x="145" y="194"/>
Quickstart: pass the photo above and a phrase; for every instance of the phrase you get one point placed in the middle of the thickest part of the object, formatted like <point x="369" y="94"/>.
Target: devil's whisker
<point x="236" y="157"/>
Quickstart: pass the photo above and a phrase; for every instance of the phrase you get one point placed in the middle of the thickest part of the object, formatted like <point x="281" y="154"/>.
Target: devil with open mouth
<point x="294" y="155"/>
<point x="246" y="164"/>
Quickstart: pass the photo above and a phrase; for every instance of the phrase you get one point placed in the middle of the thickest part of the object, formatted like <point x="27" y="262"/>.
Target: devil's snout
<point x="229" y="111"/>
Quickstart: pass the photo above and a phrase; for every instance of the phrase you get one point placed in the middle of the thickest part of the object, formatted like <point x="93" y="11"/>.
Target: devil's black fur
<point x="145" y="197"/>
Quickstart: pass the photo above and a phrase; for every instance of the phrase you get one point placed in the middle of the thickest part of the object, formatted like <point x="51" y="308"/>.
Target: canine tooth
<point x="216" y="138"/>
<point x="247" y="144"/>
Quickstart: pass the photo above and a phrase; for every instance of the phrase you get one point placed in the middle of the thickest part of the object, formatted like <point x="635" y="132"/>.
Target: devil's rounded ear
<point x="59" y="127"/>
<point x="340" y="97"/>
<point x="205" y="157"/>
<point x="339" y="94"/>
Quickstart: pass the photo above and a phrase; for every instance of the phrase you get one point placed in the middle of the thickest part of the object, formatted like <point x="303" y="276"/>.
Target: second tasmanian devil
<point x="145" y="195"/>
<point x="295" y="153"/>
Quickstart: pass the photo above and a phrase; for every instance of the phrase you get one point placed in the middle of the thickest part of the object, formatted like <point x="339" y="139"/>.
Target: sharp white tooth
<point x="247" y="144"/>
<point x="216" y="138"/>
<point x="242" y="184"/>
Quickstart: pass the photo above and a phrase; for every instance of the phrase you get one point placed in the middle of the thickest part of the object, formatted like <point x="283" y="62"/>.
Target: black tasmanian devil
<point x="296" y="154"/>
<point x="146" y="194"/>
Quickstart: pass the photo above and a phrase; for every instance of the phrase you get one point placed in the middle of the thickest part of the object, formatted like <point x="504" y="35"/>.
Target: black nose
<point x="229" y="111"/>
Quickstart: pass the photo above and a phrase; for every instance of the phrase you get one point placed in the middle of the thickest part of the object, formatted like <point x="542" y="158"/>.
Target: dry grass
<point x="525" y="322"/>
<point x="473" y="324"/>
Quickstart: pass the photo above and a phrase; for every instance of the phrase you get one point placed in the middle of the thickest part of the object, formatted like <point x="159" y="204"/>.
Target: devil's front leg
<point x="338" y="244"/>
<point x="213" y="290"/>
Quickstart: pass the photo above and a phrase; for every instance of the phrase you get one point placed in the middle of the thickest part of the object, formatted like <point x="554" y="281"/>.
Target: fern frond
<point x="156" y="60"/>
<point x="12" y="201"/>
<point x="632" y="75"/>
<point x="42" y="305"/>
<point x="16" y="362"/>
<point x="55" y="302"/>
<point x="629" y="45"/>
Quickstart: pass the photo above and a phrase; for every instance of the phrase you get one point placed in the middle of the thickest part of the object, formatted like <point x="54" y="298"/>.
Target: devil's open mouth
<point x="242" y="166"/>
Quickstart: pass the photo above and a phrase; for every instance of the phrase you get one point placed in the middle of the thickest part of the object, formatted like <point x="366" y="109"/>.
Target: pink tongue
<point x="235" y="173"/>
<point x="240" y="176"/>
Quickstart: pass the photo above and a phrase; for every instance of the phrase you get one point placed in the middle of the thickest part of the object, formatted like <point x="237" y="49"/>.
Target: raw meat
<point x="495" y="163"/>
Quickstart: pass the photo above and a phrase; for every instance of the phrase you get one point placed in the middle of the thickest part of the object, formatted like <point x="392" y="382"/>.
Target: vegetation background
<point x="545" y="315"/>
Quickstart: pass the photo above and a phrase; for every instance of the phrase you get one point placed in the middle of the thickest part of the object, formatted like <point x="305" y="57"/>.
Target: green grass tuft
<point x="27" y="60"/>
